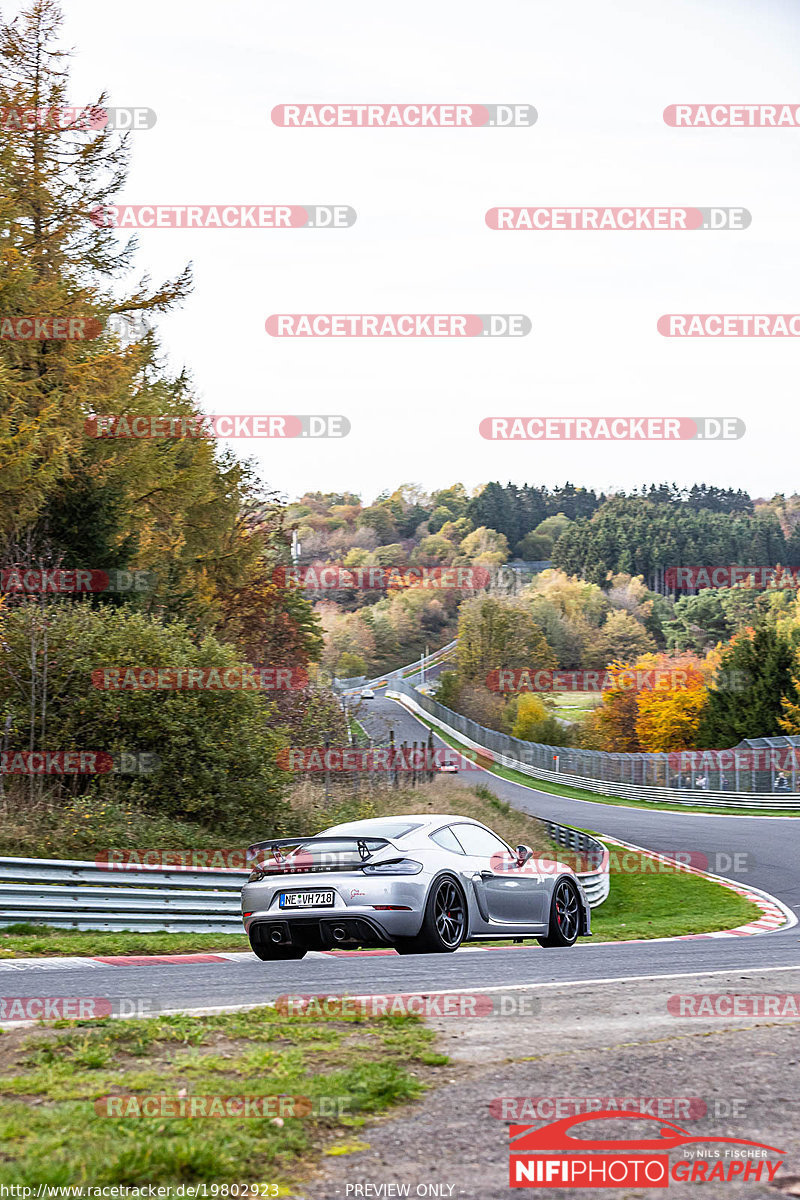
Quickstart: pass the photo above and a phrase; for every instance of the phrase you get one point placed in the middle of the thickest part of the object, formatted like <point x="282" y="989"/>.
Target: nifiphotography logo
<point x="551" y="1156"/>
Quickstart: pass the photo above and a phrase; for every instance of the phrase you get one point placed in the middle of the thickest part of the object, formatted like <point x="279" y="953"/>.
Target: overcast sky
<point x="599" y="75"/>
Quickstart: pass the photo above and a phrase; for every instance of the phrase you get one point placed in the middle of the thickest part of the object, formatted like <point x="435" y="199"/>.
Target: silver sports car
<point x="422" y="884"/>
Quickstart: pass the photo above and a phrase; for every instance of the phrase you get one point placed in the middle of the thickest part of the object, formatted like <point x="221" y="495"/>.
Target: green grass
<point x="660" y="901"/>
<point x="82" y="827"/>
<point x="349" y="1067"/>
<point x="22" y="941"/>
<point x="573" y="706"/>
<point x="358" y="732"/>
<point x="562" y="789"/>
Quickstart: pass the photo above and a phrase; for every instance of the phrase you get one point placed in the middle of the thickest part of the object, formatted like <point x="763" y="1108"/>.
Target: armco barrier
<point x="597" y="882"/>
<point x="431" y="660"/>
<point x="477" y="737"/>
<point x="83" y="895"/>
<point x="71" y="894"/>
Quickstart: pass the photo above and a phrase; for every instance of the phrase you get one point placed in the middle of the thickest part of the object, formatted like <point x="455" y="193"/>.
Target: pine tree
<point x="56" y="262"/>
<point x="757" y="671"/>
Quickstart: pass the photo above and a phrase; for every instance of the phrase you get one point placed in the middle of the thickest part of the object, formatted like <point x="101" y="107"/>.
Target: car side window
<point x="479" y="842"/>
<point x="447" y="840"/>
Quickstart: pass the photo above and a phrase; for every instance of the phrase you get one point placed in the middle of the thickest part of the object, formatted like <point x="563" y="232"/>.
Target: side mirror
<point x="523" y="854"/>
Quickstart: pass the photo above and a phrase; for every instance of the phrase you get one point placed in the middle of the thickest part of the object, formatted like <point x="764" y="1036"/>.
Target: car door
<point x="506" y="894"/>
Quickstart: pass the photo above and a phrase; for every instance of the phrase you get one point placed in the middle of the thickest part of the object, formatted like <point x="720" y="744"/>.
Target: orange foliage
<point x="669" y="717"/>
<point x="653" y="704"/>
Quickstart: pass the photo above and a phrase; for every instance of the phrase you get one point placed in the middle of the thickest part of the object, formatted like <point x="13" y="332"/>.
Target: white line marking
<point x="505" y="987"/>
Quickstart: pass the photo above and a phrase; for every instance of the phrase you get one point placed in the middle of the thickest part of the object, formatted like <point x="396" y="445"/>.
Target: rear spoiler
<point x="366" y="846"/>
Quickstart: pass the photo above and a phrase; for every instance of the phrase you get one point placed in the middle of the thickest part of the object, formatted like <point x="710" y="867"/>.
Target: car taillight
<point x="398" y="866"/>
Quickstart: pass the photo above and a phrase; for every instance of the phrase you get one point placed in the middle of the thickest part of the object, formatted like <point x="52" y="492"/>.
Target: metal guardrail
<point x="71" y="894"/>
<point x="597" y="882"/>
<point x="430" y="660"/>
<point x="477" y="737"/>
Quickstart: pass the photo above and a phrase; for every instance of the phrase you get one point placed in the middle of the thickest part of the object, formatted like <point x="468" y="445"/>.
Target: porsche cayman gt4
<point x="420" y="884"/>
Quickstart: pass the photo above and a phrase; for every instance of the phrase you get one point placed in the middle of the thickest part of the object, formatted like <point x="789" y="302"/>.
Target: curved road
<point x="767" y="850"/>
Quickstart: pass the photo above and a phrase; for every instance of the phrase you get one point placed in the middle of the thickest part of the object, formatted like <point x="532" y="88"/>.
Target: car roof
<point x="432" y="820"/>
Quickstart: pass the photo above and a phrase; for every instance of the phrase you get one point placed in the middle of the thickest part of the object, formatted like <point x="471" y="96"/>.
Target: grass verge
<point x="649" y="899"/>
<point x="42" y="941"/>
<point x="51" y="1079"/>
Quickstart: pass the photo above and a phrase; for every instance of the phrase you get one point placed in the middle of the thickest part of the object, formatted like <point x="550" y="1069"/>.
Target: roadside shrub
<point x="217" y="750"/>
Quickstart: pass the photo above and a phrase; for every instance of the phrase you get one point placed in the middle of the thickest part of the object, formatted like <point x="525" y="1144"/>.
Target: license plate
<point x="305" y="899"/>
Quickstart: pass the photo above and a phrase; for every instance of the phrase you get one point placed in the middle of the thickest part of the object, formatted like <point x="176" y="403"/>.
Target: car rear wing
<point x="310" y="854"/>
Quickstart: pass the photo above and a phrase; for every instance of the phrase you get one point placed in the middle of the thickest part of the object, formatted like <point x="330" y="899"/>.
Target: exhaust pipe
<point x="275" y="936"/>
<point x="339" y="934"/>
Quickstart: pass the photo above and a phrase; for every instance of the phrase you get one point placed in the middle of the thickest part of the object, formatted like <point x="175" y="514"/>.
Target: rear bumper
<point x="359" y="909"/>
<point x="320" y="933"/>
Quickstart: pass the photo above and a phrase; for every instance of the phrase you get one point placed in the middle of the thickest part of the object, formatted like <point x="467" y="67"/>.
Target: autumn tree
<point x="498" y="634"/>
<point x="168" y="505"/>
<point x="669" y="713"/>
<point x="531" y="711"/>
<point x="613" y="724"/>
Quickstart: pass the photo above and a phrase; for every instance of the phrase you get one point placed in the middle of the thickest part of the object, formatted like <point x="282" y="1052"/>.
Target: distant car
<point x="421" y="884"/>
<point x="367" y="694"/>
<point x="448" y="768"/>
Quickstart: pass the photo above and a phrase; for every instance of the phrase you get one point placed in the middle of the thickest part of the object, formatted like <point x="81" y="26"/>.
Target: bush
<point x="217" y="750"/>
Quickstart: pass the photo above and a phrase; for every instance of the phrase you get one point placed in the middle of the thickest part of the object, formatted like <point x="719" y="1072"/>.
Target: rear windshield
<point x="385" y="829"/>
